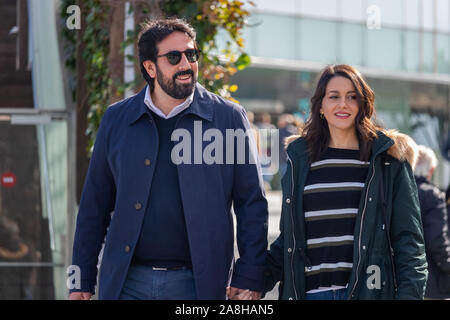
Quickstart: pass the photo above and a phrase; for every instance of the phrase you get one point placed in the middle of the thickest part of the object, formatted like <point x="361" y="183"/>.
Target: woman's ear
<point x="150" y="67"/>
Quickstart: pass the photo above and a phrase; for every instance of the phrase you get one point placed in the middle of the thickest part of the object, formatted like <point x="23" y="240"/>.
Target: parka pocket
<point x="378" y="281"/>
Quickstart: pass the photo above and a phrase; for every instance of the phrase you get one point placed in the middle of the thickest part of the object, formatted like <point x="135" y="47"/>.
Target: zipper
<point x="360" y="229"/>
<point x="293" y="229"/>
<point x="391" y="251"/>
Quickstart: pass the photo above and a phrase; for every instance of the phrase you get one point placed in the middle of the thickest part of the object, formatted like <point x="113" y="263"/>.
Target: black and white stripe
<point x="331" y="199"/>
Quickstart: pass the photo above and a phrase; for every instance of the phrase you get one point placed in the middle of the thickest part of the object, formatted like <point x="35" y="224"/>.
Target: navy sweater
<point x="163" y="241"/>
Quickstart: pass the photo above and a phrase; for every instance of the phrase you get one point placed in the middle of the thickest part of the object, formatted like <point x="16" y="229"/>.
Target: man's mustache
<point x="184" y="72"/>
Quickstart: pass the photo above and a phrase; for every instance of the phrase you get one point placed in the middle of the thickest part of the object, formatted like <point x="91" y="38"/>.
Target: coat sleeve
<point x="407" y="237"/>
<point x="435" y="227"/>
<point x="251" y="209"/>
<point x="96" y="205"/>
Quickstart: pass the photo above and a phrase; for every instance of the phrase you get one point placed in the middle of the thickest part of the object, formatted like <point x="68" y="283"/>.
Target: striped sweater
<point x="331" y="199"/>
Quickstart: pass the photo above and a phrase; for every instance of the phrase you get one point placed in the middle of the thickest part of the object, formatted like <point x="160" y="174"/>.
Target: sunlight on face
<point x="340" y="105"/>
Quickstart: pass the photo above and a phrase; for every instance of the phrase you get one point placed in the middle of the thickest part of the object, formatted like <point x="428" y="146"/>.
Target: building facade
<point x="402" y="47"/>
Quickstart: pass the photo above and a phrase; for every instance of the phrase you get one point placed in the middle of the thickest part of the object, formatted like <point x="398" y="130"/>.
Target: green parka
<point x="383" y="268"/>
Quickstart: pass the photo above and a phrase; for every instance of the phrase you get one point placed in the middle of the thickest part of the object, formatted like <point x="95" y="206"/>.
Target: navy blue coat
<point x="437" y="244"/>
<point x="119" y="180"/>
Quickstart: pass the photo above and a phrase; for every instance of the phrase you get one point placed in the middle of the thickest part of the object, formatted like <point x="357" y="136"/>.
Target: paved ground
<point x="274" y="200"/>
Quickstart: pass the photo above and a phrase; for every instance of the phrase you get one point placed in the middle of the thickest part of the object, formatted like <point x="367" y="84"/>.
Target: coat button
<point x="138" y="206"/>
<point x="364" y="247"/>
<point x="147" y="162"/>
<point x="127" y="248"/>
<point x="370" y="199"/>
<point x="289" y="250"/>
<point x="290" y="298"/>
<point x="288" y="200"/>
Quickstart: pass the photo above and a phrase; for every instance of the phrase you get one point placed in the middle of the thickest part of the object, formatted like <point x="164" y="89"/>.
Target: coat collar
<point x="200" y="106"/>
<point x="381" y="144"/>
<point x="297" y="145"/>
<point x="396" y="144"/>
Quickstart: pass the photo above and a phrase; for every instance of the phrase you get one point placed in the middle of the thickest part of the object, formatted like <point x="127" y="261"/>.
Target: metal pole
<point x="42" y="136"/>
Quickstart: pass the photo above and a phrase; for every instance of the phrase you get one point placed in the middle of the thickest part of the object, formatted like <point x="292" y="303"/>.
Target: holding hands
<point x="242" y="294"/>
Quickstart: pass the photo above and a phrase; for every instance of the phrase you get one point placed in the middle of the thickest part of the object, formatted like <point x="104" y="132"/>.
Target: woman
<point x="350" y="222"/>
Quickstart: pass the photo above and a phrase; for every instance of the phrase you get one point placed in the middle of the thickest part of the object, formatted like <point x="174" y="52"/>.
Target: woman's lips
<point x="342" y="115"/>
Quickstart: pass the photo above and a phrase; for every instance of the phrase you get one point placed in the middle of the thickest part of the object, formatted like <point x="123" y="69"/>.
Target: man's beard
<point x="174" y="89"/>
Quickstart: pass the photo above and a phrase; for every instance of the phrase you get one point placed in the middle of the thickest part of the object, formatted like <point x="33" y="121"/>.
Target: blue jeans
<point x="340" y="294"/>
<point x="144" y="283"/>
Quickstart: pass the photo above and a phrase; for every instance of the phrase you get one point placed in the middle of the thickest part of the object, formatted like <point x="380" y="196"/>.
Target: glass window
<point x="443" y="53"/>
<point x="384" y="49"/>
<point x="391" y="103"/>
<point x="285" y="6"/>
<point x="350" y="44"/>
<point x="412" y="51"/>
<point x="33" y="210"/>
<point x="429" y="120"/>
<point x="275" y="36"/>
<point x="427" y="48"/>
<point x="427" y="14"/>
<point x="317" y="41"/>
<point x="248" y="33"/>
<point x="352" y="10"/>
<point x="443" y="15"/>
<point x="390" y="10"/>
<point x="412" y="14"/>
<point x="322" y="8"/>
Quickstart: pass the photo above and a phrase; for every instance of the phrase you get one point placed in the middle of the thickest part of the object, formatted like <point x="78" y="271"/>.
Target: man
<point x="171" y="232"/>
<point x="435" y="228"/>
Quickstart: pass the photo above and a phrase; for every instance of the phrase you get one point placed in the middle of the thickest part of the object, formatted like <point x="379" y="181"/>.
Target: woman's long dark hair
<point x="316" y="132"/>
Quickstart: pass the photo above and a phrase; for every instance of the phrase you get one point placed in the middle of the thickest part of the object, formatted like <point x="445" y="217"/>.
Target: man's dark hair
<point x="153" y="32"/>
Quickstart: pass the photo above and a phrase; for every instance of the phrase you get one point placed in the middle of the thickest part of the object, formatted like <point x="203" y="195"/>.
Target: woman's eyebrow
<point x="336" y="91"/>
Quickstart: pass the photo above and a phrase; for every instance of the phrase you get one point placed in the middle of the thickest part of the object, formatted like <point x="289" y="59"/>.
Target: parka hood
<point x="403" y="148"/>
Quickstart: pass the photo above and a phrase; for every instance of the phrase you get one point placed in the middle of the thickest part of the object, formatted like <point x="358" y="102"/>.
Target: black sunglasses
<point x="174" y="57"/>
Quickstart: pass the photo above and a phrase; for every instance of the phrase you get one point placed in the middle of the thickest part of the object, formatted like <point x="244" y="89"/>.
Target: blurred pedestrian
<point x="288" y="125"/>
<point x="251" y="120"/>
<point x="350" y="224"/>
<point x="263" y="121"/>
<point x="15" y="283"/>
<point x="435" y="226"/>
<point x="447" y="197"/>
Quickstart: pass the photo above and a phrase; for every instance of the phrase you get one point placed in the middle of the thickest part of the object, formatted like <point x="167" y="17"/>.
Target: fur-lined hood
<point x="403" y="149"/>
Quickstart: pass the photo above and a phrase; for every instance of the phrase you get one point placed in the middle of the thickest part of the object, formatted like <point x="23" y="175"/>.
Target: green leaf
<point x="243" y="61"/>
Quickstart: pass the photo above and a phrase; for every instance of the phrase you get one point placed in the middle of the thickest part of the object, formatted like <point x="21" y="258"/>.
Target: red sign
<point x="8" y="180"/>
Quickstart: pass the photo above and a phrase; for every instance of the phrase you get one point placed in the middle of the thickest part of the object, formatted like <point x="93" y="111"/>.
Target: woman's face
<point x="340" y="105"/>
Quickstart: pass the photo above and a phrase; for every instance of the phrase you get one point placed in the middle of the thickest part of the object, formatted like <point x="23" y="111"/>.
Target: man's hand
<point x="242" y="294"/>
<point x="80" y="296"/>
